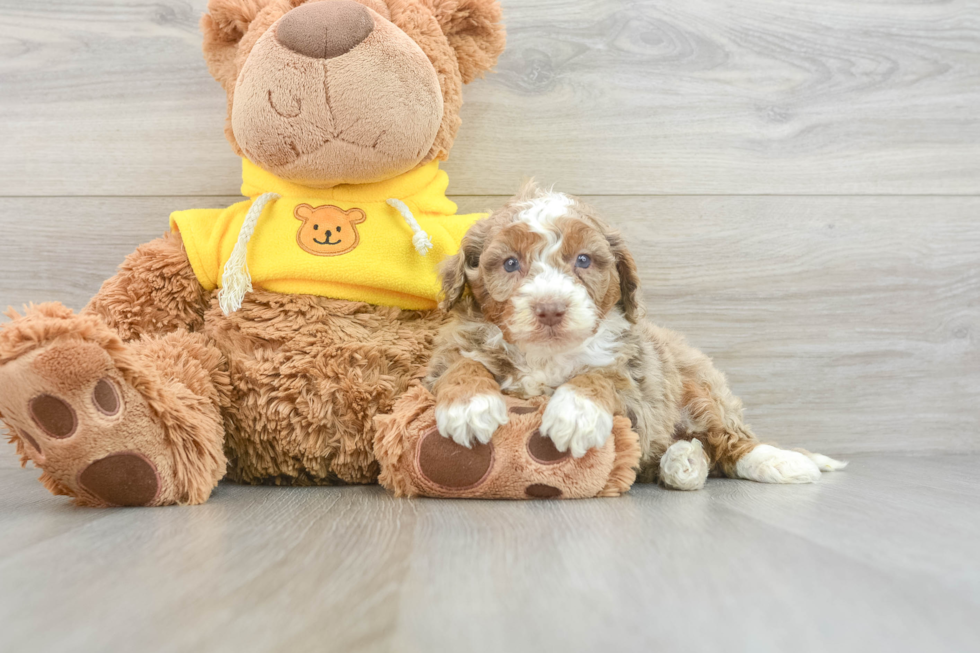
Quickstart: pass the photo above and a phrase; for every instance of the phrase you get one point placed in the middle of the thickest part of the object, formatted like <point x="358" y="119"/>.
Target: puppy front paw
<point x="575" y="423"/>
<point x="473" y="419"/>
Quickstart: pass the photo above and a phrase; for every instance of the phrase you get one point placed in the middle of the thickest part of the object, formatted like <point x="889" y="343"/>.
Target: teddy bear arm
<point x="154" y="292"/>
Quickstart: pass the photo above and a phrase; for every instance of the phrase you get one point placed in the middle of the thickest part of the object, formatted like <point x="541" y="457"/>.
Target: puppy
<point x="544" y="299"/>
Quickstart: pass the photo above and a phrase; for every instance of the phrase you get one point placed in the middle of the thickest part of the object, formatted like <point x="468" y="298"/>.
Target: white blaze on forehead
<point x="541" y="212"/>
<point x="540" y="215"/>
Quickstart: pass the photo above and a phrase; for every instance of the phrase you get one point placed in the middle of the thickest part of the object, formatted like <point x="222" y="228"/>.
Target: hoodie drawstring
<point x="420" y="239"/>
<point x="236" y="280"/>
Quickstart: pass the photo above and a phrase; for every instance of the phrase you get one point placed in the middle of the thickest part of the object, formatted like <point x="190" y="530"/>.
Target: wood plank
<point x="845" y="324"/>
<point x="109" y="98"/>
<point x="62" y="249"/>
<point x="602" y="96"/>
<point x="715" y="97"/>
<point x="736" y="566"/>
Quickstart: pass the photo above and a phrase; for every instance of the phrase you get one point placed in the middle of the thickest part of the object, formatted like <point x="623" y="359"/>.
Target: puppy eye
<point x="512" y="265"/>
<point x="583" y="261"/>
<point x="338" y="229"/>
<point x="315" y="227"/>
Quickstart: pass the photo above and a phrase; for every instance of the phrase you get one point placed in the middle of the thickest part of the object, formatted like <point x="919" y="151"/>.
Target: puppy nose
<point x="550" y="314"/>
<point x="324" y="30"/>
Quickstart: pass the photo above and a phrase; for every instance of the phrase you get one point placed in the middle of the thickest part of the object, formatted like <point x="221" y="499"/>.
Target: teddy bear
<point x="259" y="342"/>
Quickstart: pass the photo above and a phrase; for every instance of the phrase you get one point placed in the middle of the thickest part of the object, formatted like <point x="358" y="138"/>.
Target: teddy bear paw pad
<point x="542" y="491"/>
<point x="450" y="465"/>
<point x="55" y="416"/>
<point x="544" y="451"/>
<point x="122" y="479"/>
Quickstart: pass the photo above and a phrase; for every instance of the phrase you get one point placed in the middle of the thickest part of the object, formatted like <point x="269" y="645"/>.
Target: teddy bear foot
<point x="100" y="417"/>
<point x="518" y="463"/>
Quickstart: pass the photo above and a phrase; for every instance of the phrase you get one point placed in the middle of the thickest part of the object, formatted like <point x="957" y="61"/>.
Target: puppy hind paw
<point x="472" y="420"/>
<point x="684" y="466"/>
<point x="768" y="464"/>
<point x="825" y="463"/>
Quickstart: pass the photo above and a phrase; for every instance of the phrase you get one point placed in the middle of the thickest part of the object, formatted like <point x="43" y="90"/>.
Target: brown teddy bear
<point x="175" y="374"/>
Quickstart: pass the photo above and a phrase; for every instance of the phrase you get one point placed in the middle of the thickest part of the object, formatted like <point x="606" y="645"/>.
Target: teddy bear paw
<point x="75" y="399"/>
<point x="83" y="425"/>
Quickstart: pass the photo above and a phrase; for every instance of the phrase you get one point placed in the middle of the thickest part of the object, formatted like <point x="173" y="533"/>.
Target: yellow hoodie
<point x="358" y="242"/>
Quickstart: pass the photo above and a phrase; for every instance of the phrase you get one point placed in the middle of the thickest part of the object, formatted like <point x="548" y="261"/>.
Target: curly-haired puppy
<point x="544" y="299"/>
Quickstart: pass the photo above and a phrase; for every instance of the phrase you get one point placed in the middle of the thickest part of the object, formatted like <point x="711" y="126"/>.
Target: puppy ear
<point x="356" y="216"/>
<point x="453" y="270"/>
<point x="629" y="278"/>
<point x="474" y="32"/>
<point x="453" y="273"/>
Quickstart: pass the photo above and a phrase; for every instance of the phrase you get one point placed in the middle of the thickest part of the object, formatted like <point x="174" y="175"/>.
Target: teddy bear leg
<point x="112" y="423"/>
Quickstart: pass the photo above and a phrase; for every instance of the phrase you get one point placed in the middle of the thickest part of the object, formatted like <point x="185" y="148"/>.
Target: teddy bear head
<point x="327" y="92"/>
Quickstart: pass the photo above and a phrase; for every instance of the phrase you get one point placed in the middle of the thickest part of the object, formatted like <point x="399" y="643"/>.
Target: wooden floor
<point x="800" y="183"/>
<point x="880" y="557"/>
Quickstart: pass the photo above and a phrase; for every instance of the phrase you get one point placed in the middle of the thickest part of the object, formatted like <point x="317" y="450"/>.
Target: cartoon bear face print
<point x="328" y="230"/>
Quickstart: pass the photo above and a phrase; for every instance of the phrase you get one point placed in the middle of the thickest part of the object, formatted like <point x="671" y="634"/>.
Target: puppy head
<point x="545" y="269"/>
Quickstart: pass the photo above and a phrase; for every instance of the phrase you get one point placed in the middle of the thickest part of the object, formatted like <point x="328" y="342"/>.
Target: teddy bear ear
<point x="228" y="20"/>
<point x="474" y="31"/>
<point x="223" y="27"/>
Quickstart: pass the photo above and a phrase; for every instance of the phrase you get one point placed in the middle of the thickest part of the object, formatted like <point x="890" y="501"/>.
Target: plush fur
<point x="152" y="394"/>
<point x="545" y="301"/>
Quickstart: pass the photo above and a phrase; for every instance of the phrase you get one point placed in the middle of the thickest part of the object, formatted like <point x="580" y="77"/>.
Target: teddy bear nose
<point x="326" y="29"/>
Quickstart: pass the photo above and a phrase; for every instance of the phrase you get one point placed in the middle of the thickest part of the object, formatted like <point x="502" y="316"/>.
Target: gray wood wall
<point x="800" y="180"/>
